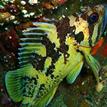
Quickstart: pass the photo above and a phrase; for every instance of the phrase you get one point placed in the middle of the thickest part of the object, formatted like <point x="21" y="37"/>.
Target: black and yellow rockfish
<point x="53" y="50"/>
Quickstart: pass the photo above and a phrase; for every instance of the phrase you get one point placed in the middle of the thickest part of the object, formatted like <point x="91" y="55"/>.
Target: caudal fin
<point x="16" y="83"/>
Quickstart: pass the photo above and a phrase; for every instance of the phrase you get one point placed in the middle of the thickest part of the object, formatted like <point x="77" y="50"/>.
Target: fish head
<point x="89" y="24"/>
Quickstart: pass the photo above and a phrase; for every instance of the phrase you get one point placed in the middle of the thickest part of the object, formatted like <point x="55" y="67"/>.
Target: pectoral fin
<point x="46" y="99"/>
<point x="74" y="73"/>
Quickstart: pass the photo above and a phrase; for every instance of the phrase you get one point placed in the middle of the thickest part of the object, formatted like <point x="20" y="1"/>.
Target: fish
<point x="53" y="50"/>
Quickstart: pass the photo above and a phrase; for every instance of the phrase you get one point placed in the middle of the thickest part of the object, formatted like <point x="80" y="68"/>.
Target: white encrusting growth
<point x="27" y="14"/>
<point x="32" y="2"/>
<point x="24" y="11"/>
<point x="11" y="1"/>
<point x="23" y="2"/>
<point x="32" y="14"/>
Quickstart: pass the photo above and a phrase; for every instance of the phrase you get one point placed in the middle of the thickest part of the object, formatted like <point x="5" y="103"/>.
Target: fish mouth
<point x="104" y="19"/>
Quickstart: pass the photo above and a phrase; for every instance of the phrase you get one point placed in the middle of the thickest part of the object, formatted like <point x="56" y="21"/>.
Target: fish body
<point x="51" y="51"/>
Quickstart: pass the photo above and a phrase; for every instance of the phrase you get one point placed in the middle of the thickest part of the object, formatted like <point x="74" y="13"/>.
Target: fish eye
<point x="93" y="18"/>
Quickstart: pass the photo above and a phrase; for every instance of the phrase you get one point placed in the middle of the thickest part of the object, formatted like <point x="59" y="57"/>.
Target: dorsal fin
<point x="31" y="40"/>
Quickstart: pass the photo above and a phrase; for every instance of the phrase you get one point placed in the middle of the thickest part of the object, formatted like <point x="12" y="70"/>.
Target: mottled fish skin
<point x="91" y="28"/>
<point x="50" y="52"/>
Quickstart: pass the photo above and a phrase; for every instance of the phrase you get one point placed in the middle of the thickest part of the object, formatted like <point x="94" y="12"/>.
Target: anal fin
<point x="94" y="65"/>
<point x="74" y="73"/>
<point x="46" y="99"/>
<point x="91" y="61"/>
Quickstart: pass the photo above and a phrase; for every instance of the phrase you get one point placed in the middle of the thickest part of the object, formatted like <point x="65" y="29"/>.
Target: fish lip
<point x="104" y="19"/>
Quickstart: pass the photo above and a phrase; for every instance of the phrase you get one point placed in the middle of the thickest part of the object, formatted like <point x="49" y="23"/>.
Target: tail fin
<point x="15" y="83"/>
